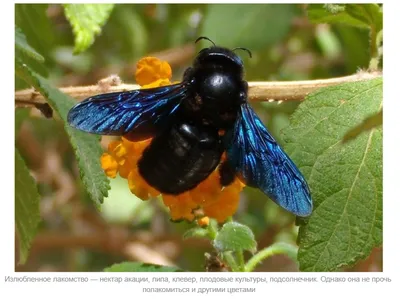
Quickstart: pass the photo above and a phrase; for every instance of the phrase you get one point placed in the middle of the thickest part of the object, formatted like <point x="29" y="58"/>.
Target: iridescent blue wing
<point x="139" y="114"/>
<point x="261" y="162"/>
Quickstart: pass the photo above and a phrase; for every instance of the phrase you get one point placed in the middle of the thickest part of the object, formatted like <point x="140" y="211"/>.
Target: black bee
<point x="192" y="124"/>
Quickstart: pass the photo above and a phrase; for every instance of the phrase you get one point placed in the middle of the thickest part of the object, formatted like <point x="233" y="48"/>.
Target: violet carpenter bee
<point x="192" y="124"/>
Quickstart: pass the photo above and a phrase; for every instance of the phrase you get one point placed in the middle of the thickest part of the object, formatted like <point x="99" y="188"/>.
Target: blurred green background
<point x="73" y="235"/>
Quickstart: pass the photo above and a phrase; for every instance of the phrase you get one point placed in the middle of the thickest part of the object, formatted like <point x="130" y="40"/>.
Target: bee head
<point x="219" y="57"/>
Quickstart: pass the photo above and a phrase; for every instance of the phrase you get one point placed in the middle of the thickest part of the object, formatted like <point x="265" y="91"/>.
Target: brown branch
<point x="258" y="91"/>
<point x="298" y="90"/>
<point x="42" y="107"/>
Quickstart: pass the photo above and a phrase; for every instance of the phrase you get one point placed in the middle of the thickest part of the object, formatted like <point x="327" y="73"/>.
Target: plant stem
<point x="42" y="107"/>
<point x="230" y="260"/>
<point x="373" y="51"/>
<point x="258" y="91"/>
<point x="240" y="258"/>
<point x="212" y="229"/>
<point x="274" y="249"/>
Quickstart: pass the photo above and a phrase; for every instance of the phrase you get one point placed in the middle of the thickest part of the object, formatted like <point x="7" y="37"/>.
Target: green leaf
<point x="86" y="146"/>
<point x="251" y="26"/>
<point x="234" y="236"/>
<point x="368" y="124"/>
<point x="369" y="14"/>
<point x="40" y="33"/>
<point x="359" y="15"/>
<point x="27" y="214"/>
<point x="322" y="13"/>
<point x="140" y="267"/>
<point x="21" y="44"/>
<point x="345" y="179"/>
<point x="334" y="8"/>
<point x="196" y="232"/>
<point x="86" y="21"/>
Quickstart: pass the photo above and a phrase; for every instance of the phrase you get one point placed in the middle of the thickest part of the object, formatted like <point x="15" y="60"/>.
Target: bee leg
<point x="227" y="174"/>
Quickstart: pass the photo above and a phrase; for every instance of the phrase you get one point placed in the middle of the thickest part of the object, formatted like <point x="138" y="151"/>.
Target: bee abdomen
<point x="180" y="158"/>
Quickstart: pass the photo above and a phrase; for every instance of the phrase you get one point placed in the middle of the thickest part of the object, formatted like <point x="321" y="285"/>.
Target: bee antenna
<point x="244" y="49"/>
<point x="204" y="37"/>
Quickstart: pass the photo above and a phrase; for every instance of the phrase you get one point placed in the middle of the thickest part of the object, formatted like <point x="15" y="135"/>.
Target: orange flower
<point x="152" y="72"/>
<point x="109" y="165"/>
<point x="208" y="199"/>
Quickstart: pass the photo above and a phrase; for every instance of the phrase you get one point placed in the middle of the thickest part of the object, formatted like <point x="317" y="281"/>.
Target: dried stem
<point x="42" y="107"/>
<point x="258" y="91"/>
<point x="298" y="90"/>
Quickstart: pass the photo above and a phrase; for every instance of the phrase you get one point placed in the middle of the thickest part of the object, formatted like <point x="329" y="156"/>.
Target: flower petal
<point x="158" y="83"/>
<point x="109" y="165"/>
<point x="151" y="69"/>
<point x="225" y="207"/>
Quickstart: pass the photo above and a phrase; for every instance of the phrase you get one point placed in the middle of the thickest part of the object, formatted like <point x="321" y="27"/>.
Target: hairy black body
<point x="188" y="151"/>
<point x="180" y="158"/>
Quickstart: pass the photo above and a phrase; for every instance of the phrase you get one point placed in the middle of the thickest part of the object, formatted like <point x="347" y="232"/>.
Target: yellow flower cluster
<point x="207" y="199"/>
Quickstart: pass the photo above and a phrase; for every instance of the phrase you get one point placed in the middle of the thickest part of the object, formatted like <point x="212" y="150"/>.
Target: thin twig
<point x="42" y="107"/>
<point x="258" y="91"/>
<point x="274" y="249"/>
<point x="298" y="90"/>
